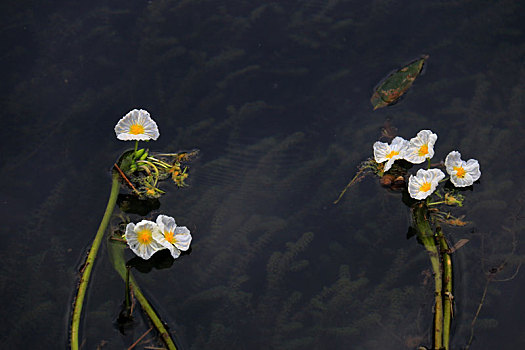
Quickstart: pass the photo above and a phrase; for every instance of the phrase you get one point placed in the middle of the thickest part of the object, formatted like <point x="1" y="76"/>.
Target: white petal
<point x="412" y="155"/>
<point x="141" y="117"/>
<point x="145" y="251"/>
<point x="413" y="187"/>
<point x="389" y="164"/>
<point x="166" y="223"/>
<point x="381" y="150"/>
<point x="452" y="160"/>
<point x="461" y="182"/>
<point x="472" y="168"/>
<point x="182" y="238"/>
<point x="175" y="253"/>
<point x="398" y="143"/>
<point x="436" y="175"/>
<point x="160" y="239"/>
<point x="432" y="176"/>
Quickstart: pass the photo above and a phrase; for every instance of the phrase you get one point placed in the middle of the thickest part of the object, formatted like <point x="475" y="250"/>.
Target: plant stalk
<point x="447" y="291"/>
<point x="426" y="236"/>
<point x="146" y="306"/>
<point x="128" y="294"/>
<point x="116" y="254"/>
<point x="86" y="273"/>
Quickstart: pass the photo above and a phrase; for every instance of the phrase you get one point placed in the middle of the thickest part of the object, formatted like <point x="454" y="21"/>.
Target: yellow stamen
<point x="460" y="172"/>
<point x="425" y="187"/>
<point x="423" y="150"/>
<point x="144" y="236"/>
<point x="392" y="154"/>
<point x="136" y="129"/>
<point x="170" y="237"/>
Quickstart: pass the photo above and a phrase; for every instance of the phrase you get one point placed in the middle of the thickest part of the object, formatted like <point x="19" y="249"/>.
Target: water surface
<point x="276" y="97"/>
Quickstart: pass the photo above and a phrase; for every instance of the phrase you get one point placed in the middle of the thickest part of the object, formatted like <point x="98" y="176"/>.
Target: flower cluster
<point x="143" y="171"/>
<point x="418" y="150"/>
<point x="148" y="237"/>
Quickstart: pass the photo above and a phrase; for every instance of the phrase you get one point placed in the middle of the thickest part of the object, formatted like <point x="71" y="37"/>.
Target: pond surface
<point x="276" y="96"/>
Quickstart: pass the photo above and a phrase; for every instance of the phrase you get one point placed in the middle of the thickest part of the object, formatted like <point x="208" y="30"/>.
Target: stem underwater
<point x="441" y="263"/>
<point x="88" y="266"/>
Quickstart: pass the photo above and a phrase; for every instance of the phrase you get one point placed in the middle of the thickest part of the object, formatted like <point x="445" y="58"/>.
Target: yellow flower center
<point x="392" y="154"/>
<point x="136" y="129"/>
<point x="460" y="172"/>
<point x="423" y="150"/>
<point x="144" y="236"/>
<point x="425" y="187"/>
<point x="170" y="237"/>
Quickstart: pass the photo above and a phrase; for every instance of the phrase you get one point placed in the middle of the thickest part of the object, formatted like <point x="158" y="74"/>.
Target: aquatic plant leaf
<point x="396" y="84"/>
<point x="125" y="160"/>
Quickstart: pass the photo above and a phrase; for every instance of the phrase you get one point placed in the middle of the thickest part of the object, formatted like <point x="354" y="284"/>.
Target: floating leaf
<point x="396" y="84"/>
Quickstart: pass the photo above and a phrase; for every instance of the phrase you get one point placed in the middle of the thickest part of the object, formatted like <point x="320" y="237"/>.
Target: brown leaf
<point x="396" y="84"/>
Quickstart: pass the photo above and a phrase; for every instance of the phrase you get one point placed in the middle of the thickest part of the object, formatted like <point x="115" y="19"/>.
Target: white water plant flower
<point x="389" y="153"/>
<point x="140" y="238"/>
<point x="137" y="125"/>
<point x="424" y="183"/>
<point x="462" y="174"/>
<point x="171" y="236"/>
<point x="421" y="147"/>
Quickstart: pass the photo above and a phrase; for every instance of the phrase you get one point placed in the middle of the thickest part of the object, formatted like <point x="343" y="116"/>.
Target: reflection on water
<point x="276" y="97"/>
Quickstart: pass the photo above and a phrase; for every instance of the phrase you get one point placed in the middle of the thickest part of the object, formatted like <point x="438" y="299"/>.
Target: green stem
<point x="426" y="236"/>
<point x="136" y="146"/>
<point x="436" y="203"/>
<point x="447" y="291"/>
<point x="128" y="294"/>
<point x="86" y="273"/>
<point x="116" y="253"/>
<point x="152" y="315"/>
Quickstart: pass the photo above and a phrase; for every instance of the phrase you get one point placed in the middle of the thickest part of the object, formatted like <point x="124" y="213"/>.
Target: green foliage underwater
<point x="276" y="96"/>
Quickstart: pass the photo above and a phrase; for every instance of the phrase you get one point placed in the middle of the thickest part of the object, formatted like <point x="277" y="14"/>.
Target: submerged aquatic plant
<point x="142" y="172"/>
<point x="425" y="194"/>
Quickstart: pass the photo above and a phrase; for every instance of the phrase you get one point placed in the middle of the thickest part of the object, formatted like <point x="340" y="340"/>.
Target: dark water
<point x="276" y="97"/>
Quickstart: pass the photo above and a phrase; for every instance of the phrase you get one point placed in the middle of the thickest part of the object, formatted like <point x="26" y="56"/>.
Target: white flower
<point x="389" y="153"/>
<point x="140" y="238"/>
<point x="462" y="173"/>
<point x="171" y="236"/>
<point x="421" y="147"/>
<point x="424" y="183"/>
<point x="137" y="125"/>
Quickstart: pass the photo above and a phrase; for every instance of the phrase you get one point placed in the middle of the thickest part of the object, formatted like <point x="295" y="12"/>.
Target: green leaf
<point x="126" y="160"/>
<point x="396" y="84"/>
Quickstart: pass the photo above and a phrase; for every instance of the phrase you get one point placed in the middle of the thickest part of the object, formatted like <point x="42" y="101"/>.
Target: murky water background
<point x="276" y="97"/>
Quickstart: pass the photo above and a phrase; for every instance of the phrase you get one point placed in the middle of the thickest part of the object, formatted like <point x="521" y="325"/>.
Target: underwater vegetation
<point x="276" y="97"/>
